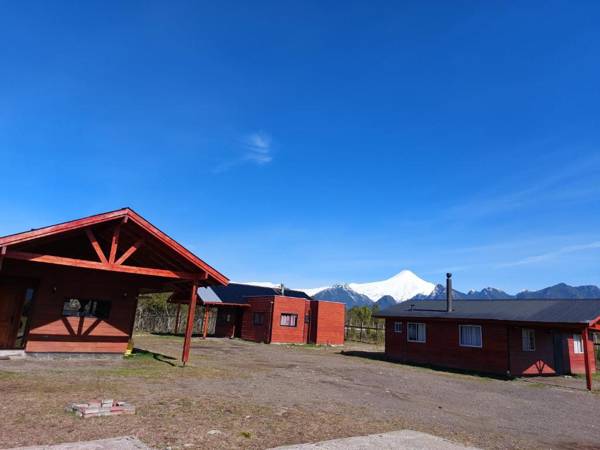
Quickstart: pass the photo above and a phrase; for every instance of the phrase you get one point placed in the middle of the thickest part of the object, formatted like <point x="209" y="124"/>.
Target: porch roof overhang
<point x="166" y="258"/>
<point x="106" y="242"/>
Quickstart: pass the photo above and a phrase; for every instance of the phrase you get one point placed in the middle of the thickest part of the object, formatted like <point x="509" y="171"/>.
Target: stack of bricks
<point x="96" y="408"/>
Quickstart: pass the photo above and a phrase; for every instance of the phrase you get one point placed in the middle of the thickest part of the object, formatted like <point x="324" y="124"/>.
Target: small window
<point x="470" y="336"/>
<point x="258" y="318"/>
<point x="397" y="327"/>
<point x="416" y="332"/>
<point x="77" y="307"/>
<point x="577" y="344"/>
<point x="288" y="320"/>
<point x="528" y="337"/>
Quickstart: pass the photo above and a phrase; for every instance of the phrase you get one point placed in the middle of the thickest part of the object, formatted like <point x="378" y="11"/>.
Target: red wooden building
<point x="264" y="314"/>
<point x="508" y="337"/>
<point x="73" y="287"/>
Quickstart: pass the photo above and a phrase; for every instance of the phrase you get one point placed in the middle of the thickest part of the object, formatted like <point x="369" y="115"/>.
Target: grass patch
<point x="4" y="375"/>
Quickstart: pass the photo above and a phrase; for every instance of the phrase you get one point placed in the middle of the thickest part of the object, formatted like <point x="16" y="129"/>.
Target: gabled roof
<point x="531" y="310"/>
<point x="238" y="293"/>
<point x="124" y="214"/>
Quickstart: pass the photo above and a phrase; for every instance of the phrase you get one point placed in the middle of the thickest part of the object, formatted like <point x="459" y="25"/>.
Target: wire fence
<point x="364" y="333"/>
<point x="164" y="322"/>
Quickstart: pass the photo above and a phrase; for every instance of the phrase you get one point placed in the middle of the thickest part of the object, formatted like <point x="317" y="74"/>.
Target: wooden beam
<point x="2" y="255"/>
<point x="85" y="264"/>
<point x="586" y="355"/>
<point x="96" y="245"/>
<point x="114" y="244"/>
<point x="130" y="251"/>
<point x="190" y="324"/>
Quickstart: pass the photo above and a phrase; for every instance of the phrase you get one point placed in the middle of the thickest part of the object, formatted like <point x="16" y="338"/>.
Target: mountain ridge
<point x="399" y="288"/>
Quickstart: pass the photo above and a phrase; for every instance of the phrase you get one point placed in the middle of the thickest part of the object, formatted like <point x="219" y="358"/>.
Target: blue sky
<point x="316" y="142"/>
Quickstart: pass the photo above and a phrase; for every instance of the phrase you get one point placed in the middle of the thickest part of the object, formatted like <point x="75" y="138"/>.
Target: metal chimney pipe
<point x="282" y="289"/>
<point x="449" y="292"/>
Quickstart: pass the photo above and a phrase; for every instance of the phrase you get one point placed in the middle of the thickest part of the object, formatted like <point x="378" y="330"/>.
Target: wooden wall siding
<point x="539" y="362"/>
<point x="330" y="320"/>
<point x="577" y="360"/>
<point x="289" y="335"/>
<point x="257" y="333"/>
<point x="222" y="327"/>
<point x="51" y="332"/>
<point x="326" y="327"/>
<point x="442" y="349"/>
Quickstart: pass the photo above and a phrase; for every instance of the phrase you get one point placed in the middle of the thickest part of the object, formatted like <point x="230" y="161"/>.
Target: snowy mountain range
<point x="406" y="286"/>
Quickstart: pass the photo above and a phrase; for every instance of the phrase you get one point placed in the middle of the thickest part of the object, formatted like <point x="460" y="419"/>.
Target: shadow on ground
<point x="380" y="356"/>
<point x="139" y="353"/>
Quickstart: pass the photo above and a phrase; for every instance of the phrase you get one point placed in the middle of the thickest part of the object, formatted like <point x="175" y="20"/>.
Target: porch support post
<point x="190" y="323"/>
<point x="177" y="318"/>
<point x="205" y="322"/>
<point x="586" y="356"/>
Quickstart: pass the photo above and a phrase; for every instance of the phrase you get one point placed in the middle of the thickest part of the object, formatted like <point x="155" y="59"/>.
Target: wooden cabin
<point x="265" y="314"/>
<point x="73" y="287"/>
<point x="506" y="337"/>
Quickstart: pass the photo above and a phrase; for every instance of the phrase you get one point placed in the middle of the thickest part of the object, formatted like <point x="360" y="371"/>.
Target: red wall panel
<point x="289" y="335"/>
<point x="330" y="320"/>
<point x="442" y="348"/>
<point x="49" y="331"/>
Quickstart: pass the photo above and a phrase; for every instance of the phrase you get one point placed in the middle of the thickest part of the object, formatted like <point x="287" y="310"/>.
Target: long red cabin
<point x="506" y="337"/>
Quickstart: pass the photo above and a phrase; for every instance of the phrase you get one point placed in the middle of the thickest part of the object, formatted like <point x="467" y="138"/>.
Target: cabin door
<point x="11" y="303"/>
<point x="557" y="344"/>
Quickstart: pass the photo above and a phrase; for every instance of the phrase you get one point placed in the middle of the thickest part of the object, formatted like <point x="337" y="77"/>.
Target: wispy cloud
<point x="258" y="148"/>
<point x="255" y="148"/>
<point x="575" y="180"/>
<point x="551" y="255"/>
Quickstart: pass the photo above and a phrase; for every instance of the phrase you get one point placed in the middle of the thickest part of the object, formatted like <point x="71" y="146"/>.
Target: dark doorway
<point x="239" y="314"/>
<point x="557" y="344"/>
<point x="16" y="298"/>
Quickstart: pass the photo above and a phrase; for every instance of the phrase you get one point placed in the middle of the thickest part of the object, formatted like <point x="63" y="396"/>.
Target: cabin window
<point x="77" y="307"/>
<point x="397" y="327"/>
<point x="288" y="320"/>
<point x="258" y="318"/>
<point x="416" y="332"/>
<point x="577" y="344"/>
<point x="528" y="337"/>
<point x="470" y="336"/>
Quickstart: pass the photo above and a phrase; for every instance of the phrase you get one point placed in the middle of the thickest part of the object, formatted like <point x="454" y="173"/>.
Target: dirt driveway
<point x="237" y="394"/>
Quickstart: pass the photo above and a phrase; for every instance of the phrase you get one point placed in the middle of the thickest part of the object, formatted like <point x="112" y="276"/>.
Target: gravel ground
<point x="238" y="394"/>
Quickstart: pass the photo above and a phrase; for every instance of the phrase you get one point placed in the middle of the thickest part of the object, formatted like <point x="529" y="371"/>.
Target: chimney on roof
<point x="449" y="292"/>
<point x="282" y="289"/>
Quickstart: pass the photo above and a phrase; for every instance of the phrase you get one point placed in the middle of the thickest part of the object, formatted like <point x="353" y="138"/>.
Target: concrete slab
<point x="395" y="440"/>
<point x="121" y="443"/>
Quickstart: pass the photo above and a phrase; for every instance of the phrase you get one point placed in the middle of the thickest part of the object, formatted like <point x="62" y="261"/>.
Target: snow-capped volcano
<point x="402" y="286"/>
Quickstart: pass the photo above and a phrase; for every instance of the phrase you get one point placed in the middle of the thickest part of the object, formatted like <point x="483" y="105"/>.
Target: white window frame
<point x="460" y="327"/>
<point x="397" y="327"/>
<point x="417" y="324"/>
<point x="291" y="317"/>
<point x="529" y="335"/>
<point x="578" y="342"/>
